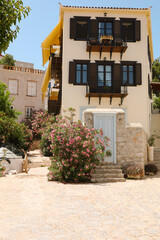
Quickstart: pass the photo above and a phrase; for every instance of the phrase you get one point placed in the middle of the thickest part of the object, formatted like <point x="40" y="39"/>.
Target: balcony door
<point x="105" y="29"/>
<point x="104" y="83"/>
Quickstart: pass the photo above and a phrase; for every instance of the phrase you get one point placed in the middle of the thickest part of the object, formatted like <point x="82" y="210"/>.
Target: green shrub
<point x="2" y="171"/>
<point x="46" y="142"/>
<point x="76" y="150"/>
<point x="12" y="132"/>
<point x="134" y="171"/>
<point x="150" y="169"/>
<point x="6" y="103"/>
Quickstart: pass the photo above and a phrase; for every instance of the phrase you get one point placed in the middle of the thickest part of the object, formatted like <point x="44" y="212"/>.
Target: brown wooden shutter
<point x="93" y="27"/>
<point x="138" y="74"/>
<point x="117" y="29"/>
<point x="72" y="74"/>
<point x="116" y="78"/>
<point x="72" y="28"/>
<point x="93" y="76"/>
<point x="138" y="30"/>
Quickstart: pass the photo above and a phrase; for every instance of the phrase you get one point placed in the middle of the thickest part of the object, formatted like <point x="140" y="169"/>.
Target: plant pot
<point x="150" y="153"/>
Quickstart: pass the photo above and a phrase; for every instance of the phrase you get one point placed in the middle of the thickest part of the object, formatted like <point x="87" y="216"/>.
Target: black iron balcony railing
<point x="107" y="92"/>
<point x="106" y="44"/>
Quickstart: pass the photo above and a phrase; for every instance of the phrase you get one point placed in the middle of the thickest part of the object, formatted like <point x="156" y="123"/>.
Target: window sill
<point x="80" y="84"/>
<point x="31" y="96"/>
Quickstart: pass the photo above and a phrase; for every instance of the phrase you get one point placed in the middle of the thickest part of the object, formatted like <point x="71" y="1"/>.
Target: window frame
<point x="30" y="81"/>
<point x="128" y="63"/>
<point x="81" y="62"/>
<point x="133" y="20"/>
<point x="80" y="18"/>
<point x="28" y="107"/>
<point x="106" y="20"/>
<point x="17" y="86"/>
<point x="104" y="63"/>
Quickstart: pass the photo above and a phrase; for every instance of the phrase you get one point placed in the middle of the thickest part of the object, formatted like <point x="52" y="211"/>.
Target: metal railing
<point x="117" y="41"/>
<point x="90" y="89"/>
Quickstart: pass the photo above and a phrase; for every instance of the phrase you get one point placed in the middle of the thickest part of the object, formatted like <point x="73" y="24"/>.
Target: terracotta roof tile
<point x="106" y="7"/>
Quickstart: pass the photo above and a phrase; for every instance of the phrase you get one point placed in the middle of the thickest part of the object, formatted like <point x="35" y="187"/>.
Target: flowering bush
<point x="76" y="150"/>
<point x="38" y="122"/>
<point x="2" y="171"/>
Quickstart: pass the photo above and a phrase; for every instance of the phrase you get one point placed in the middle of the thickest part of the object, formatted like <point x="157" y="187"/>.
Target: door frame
<point x="114" y="130"/>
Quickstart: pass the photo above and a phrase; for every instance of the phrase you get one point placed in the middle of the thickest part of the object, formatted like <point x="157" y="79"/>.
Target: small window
<point x="105" y="28"/>
<point x="104" y="75"/>
<point x="128" y="30"/>
<point x="128" y="74"/>
<point x="29" y="111"/>
<point x="81" y="73"/>
<point x="32" y="89"/>
<point x="13" y="87"/>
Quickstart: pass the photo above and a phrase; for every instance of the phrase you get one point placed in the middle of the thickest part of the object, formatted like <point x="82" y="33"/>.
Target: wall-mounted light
<point x="105" y="14"/>
<point x="105" y="58"/>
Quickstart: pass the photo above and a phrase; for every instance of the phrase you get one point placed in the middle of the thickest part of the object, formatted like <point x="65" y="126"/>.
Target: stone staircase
<point x="157" y="157"/>
<point x="35" y="159"/>
<point x="108" y="172"/>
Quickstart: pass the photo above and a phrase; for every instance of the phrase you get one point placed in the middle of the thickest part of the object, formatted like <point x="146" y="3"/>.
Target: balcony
<point x="107" y="92"/>
<point x="106" y="44"/>
<point x="56" y="67"/>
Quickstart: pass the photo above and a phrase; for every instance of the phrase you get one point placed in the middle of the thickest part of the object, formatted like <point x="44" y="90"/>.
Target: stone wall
<point x="131" y="139"/>
<point x="155" y="127"/>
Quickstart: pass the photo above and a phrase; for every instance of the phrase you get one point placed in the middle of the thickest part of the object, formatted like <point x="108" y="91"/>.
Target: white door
<point x="107" y="123"/>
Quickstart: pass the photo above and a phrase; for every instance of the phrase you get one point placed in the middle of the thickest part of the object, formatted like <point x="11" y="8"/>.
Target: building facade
<point x="24" y="85"/>
<point x="101" y="60"/>
<point x="105" y="60"/>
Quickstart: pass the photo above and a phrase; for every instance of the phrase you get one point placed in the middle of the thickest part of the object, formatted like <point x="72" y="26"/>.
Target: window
<point x="105" y="28"/>
<point x="31" y="90"/>
<point x="13" y="87"/>
<point x="29" y="111"/>
<point x="82" y="29"/>
<point x="128" y="74"/>
<point x="81" y="73"/>
<point x="104" y="75"/>
<point x="128" y="30"/>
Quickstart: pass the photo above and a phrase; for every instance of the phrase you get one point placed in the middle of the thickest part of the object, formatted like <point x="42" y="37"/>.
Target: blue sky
<point x="45" y="15"/>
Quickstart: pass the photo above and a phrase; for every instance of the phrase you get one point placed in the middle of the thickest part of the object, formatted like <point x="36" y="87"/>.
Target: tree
<point x="6" y="103"/>
<point x="156" y="102"/>
<point x="11" y="13"/>
<point x="156" y="70"/>
<point x="7" y="60"/>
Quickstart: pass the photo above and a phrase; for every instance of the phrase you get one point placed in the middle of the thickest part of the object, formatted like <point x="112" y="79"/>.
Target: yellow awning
<point x="52" y="39"/>
<point x="46" y="80"/>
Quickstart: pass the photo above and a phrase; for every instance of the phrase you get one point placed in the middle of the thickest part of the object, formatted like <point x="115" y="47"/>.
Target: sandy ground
<point x="31" y="208"/>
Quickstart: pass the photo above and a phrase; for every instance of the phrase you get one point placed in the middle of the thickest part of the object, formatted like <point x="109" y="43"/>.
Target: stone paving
<point x="31" y="208"/>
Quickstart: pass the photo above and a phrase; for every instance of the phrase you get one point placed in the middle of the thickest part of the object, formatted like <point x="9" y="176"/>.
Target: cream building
<point x="106" y="58"/>
<point x="101" y="59"/>
<point x="24" y="83"/>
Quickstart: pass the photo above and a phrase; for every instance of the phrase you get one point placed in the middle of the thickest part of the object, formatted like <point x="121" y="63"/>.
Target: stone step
<point x="107" y="180"/>
<point x="107" y="175"/>
<point x="108" y="166"/>
<point x="103" y="170"/>
<point x="38" y="164"/>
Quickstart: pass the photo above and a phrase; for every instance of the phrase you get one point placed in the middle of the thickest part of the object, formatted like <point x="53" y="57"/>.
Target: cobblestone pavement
<point x="31" y="208"/>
